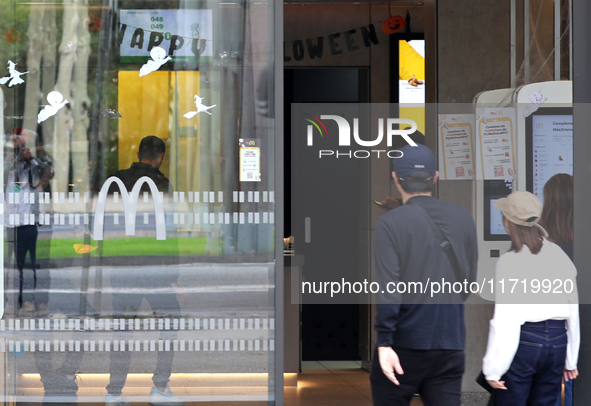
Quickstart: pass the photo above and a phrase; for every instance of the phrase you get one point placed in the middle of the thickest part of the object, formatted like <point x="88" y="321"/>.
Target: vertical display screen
<point x="493" y="218"/>
<point x="411" y="81"/>
<point x="550" y="147"/>
<point x="411" y="71"/>
<point x="552" y="144"/>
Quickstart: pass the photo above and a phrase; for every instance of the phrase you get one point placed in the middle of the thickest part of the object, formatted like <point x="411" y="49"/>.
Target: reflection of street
<point x="227" y="289"/>
<point x="226" y="326"/>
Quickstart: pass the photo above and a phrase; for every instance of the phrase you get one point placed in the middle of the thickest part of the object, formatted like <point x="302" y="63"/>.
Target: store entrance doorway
<point x="314" y="189"/>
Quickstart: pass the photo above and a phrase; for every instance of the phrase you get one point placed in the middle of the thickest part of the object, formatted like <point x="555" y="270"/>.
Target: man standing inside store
<point x="157" y="288"/>
<point x="150" y="155"/>
<point x="420" y="345"/>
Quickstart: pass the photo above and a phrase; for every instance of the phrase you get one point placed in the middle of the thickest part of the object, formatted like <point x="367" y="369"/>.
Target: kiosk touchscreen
<point x="543" y="147"/>
<point x="549" y="146"/>
<point x="493" y="218"/>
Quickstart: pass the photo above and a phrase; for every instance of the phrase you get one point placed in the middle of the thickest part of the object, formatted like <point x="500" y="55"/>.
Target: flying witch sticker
<point x="201" y="108"/>
<point x="14" y="76"/>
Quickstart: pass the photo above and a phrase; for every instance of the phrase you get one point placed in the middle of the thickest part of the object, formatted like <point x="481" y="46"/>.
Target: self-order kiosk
<point x="536" y="123"/>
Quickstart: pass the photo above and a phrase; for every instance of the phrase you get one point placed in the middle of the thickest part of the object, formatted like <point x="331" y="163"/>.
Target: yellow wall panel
<point x="154" y="105"/>
<point x="186" y="143"/>
<point x="144" y="108"/>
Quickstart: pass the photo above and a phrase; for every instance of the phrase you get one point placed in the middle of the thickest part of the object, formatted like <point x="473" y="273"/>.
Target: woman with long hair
<point x="557" y="219"/>
<point x="557" y="215"/>
<point x="533" y="339"/>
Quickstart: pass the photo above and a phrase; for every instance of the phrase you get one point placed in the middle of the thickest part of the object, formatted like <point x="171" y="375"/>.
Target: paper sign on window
<point x="250" y="161"/>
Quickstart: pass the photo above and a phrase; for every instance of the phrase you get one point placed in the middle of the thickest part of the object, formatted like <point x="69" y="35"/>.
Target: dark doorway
<point x="313" y="189"/>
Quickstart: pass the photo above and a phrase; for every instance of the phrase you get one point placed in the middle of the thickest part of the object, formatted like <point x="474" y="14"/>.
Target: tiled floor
<point x="341" y="383"/>
<point x="321" y="383"/>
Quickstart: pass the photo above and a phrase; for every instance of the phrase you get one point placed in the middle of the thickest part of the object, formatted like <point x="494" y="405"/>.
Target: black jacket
<point x="136" y="171"/>
<point x="407" y="250"/>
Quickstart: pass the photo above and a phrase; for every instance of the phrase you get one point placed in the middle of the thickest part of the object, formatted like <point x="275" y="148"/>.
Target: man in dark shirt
<point x="150" y="155"/>
<point x="420" y="346"/>
<point x="158" y="288"/>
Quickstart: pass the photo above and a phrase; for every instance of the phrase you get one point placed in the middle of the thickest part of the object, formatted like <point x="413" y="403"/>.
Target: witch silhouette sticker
<point x="14" y="76"/>
<point x="56" y="102"/>
<point x="201" y="108"/>
<point x="159" y="58"/>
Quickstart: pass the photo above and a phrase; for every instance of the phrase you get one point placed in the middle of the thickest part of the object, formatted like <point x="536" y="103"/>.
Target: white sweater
<point x="505" y="327"/>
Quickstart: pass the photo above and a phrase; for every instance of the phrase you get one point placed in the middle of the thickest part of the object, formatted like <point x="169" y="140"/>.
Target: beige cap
<point x="522" y="208"/>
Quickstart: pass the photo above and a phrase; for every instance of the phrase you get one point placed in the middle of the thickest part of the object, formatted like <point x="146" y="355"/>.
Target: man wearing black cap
<point x="421" y="339"/>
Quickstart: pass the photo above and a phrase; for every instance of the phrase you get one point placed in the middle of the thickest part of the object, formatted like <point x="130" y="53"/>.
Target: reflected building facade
<point x="164" y="296"/>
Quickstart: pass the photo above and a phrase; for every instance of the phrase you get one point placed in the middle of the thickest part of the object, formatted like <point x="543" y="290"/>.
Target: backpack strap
<point x="443" y="242"/>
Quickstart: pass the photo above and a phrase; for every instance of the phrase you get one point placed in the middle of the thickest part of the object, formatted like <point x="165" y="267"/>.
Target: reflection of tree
<point x="67" y="132"/>
<point x="67" y="52"/>
<point x="49" y="64"/>
<point x="32" y="95"/>
<point x="16" y="18"/>
<point x="81" y="104"/>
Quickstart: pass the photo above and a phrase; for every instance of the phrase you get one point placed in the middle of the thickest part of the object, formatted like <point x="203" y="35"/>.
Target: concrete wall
<point x="473" y="48"/>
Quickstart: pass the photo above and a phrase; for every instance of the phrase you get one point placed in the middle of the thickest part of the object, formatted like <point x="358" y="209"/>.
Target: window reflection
<point x="179" y="280"/>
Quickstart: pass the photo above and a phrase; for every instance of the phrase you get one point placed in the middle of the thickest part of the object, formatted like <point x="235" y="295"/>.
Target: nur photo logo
<point x="389" y="127"/>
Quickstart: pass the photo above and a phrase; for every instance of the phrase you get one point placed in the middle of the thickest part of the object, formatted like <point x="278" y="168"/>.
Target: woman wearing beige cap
<point x="534" y="334"/>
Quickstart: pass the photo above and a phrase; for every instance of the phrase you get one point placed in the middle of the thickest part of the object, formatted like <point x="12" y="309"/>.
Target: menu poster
<point x="456" y="155"/>
<point x="495" y="139"/>
<point x="250" y="161"/>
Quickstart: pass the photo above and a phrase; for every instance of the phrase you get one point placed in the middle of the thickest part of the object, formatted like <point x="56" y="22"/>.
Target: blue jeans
<point x="26" y="241"/>
<point x="535" y="375"/>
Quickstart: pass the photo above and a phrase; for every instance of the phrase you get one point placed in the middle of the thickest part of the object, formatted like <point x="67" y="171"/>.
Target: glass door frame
<point x="277" y="33"/>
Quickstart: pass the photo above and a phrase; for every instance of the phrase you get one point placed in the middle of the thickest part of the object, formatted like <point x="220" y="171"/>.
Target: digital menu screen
<point x="411" y="81"/>
<point x="411" y="74"/>
<point x="550" y="147"/>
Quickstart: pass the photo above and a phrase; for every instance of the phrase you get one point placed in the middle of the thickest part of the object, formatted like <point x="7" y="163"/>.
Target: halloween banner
<point x="188" y="37"/>
<point x="181" y="33"/>
<point x="333" y="44"/>
<point x="347" y="41"/>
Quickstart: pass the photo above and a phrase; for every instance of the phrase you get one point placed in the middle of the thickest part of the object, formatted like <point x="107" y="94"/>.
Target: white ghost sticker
<point x="14" y="77"/>
<point x="201" y="108"/>
<point x="56" y="102"/>
<point x="159" y="58"/>
<point x="536" y="99"/>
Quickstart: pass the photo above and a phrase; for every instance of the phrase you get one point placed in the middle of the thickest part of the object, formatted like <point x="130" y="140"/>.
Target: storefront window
<point x="155" y="284"/>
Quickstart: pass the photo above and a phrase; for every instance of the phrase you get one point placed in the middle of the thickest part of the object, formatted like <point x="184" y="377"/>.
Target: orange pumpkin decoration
<point x="94" y="22"/>
<point x="12" y="36"/>
<point x="393" y="24"/>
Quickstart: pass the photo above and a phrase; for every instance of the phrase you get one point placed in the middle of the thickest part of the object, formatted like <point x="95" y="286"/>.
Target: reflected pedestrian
<point x="28" y="177"/>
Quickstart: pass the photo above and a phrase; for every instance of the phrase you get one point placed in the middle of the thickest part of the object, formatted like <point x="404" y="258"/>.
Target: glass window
<point x="138" y="198"/>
